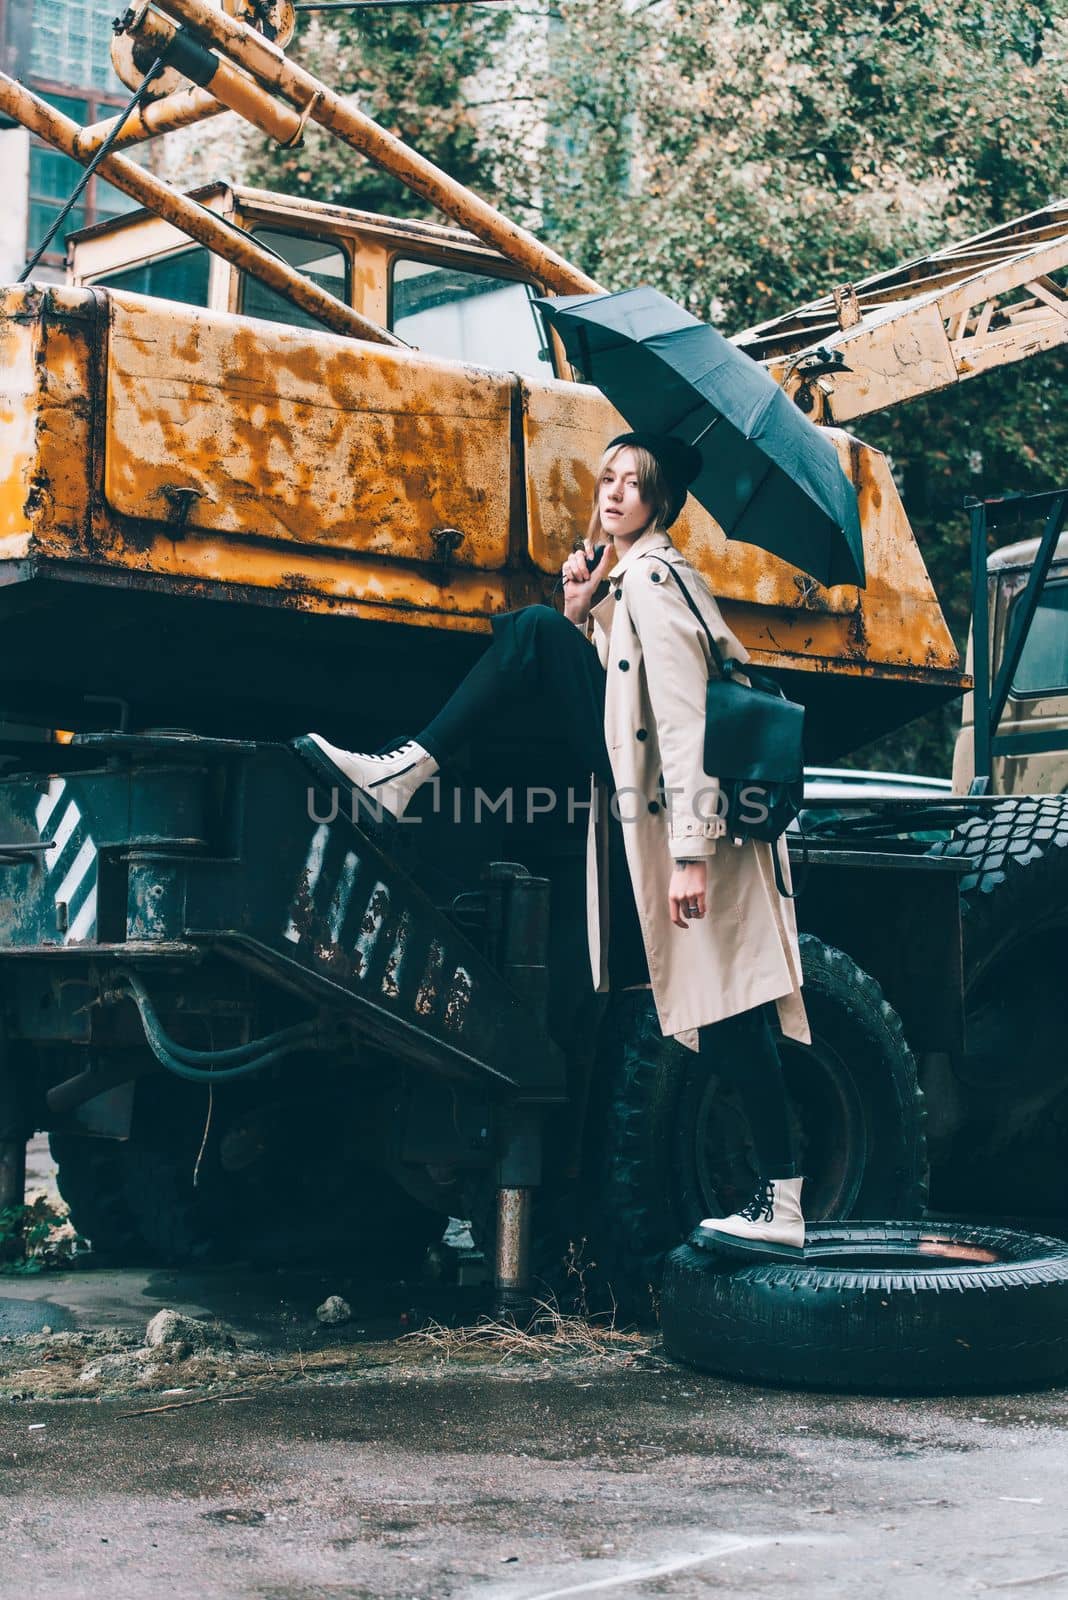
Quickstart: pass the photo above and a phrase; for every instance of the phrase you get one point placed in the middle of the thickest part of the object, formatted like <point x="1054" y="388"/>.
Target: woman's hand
<point x="580" y="584"/>
<point x="686" y="892"/>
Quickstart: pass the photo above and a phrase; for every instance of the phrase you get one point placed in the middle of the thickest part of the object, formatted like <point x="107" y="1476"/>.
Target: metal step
<point x="234" y="849"/>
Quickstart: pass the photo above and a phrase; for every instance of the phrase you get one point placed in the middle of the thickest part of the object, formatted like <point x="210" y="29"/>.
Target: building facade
<point x="61" y="50"/>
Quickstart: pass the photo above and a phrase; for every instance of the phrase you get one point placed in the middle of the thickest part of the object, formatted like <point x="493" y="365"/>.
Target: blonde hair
<point x="652" y="486"/>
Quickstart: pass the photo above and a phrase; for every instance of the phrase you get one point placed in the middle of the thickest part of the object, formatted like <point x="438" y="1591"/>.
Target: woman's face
<point x="622" y="510"/>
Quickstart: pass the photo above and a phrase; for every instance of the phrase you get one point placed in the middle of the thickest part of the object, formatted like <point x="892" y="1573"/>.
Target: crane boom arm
<point x="998" y="297"/>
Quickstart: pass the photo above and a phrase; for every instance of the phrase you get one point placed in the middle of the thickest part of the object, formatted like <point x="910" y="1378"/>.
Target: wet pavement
<point x="525" y="1483"/>
<point x="316" y="1464"/>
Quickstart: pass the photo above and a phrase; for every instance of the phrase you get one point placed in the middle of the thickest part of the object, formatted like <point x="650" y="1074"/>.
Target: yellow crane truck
<point x="269" y="464"/>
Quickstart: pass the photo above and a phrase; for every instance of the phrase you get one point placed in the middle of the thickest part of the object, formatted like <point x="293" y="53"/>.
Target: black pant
<point x="743" y="1050"/>
<point x="537" y="653"/>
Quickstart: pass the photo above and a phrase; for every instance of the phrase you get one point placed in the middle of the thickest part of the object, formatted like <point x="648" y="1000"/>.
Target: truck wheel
<point x="888" y="1306"/>
<point x="1008" y="1151"/>
<point x="676" y="1146"/>
<point x="136" y="1203"/>
<point x="89" y="1178"/>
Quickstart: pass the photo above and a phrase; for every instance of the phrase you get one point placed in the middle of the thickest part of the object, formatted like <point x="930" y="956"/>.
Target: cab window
<point x="469" y="316"/>
<point x="318" y="259"/>
<point x="1044" y="663"/>
<point x="181" y="276"/>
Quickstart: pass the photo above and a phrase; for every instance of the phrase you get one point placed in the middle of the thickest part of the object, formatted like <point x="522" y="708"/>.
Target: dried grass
<point x="551" y="1335"/>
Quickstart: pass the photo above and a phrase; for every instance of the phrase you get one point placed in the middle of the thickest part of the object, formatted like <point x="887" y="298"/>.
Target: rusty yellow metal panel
<point x="887" y="360"/>
<point x="46" y="344"/>
<point x="323" y="468"/>
<point x="311" y="580"/>
<point x="304" y="439"/>
<point x="18" y="424"/>
<point x="565" y="429"/>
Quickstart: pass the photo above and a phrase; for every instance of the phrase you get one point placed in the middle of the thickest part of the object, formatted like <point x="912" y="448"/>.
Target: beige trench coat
<point x="744" y="952"/>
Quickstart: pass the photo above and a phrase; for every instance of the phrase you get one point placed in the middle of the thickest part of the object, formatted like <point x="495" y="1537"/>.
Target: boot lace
<point x="762" y="1206"/>
<point x="389" y="754"/>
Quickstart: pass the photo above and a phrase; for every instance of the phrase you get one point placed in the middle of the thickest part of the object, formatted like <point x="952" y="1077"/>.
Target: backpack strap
<point x="724" y="665"/>
<point x="792" y="894"/>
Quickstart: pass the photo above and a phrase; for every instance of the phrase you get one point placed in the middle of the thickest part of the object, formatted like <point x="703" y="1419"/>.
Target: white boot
<point x="770" y="1225"/>
<point x="389" y="780"/>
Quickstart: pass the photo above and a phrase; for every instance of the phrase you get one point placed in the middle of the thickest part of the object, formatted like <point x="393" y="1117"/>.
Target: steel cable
<point x="79" y="189"/>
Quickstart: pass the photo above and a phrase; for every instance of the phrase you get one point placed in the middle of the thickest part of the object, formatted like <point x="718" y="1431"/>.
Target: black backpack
<point x="753" y="745"/>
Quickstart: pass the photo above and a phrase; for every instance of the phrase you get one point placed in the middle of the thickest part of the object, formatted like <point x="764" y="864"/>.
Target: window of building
<point x="71" y="43"/>
<point x="320" y="260"/>
<point x="1043" y="665"/>
<point x="70" y="67"/>
<point x="469" y="316"/>
<point x="181" y="276"/>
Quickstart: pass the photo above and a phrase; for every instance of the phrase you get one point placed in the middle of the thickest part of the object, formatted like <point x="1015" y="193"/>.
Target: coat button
<point x="641" y="734"/>
<point x="618" y="595"/>
<point x="654" y="807"/>
<point x="624" y="666"/>
<point x="655" y="577"/>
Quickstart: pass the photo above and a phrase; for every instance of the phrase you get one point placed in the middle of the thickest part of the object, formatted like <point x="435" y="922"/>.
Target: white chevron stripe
<point x="48" y="803"/>
<point x="313" y="868"/>
<point x="71" y="818"/>
<point x="371" y="925"/>
<point x="85" y="922"/>
<point x="78" y="868"/>
<point x="342" y="895"/>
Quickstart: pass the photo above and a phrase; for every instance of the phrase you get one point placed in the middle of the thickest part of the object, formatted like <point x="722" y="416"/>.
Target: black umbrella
<point x="770" y="477"/>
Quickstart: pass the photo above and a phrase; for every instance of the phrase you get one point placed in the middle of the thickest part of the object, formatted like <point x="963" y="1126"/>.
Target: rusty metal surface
<point x="234" y="88"/>
<point x="46" y="388"/>
<point x="182" y="109"/>
<point x="19" y="412"/>
<point x="322" y="474"/>
<point x="512" y="1258"/>
<point x="295" y="437"/>
<point x="967" y="308"/>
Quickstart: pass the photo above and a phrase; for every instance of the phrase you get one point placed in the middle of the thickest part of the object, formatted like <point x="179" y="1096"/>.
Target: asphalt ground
<point x="305" y="1462"/>
<point x="522" y="1483"/>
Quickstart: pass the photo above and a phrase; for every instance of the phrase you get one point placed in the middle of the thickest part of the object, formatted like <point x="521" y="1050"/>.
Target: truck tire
<point x="135" y="1203"/>
<point x="675" y="1145"/>
<point x="1007" y="1155"/>
<point x="89" y="1177"/>
<point x="880" y="1307"/>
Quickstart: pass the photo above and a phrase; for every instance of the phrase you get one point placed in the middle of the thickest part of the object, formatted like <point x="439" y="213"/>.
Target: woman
<point x="672" y="903"/>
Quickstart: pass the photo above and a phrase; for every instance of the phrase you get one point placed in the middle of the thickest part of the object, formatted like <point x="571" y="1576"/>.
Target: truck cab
<point x="438" y="288"/>
<point x="1030" y="755"/>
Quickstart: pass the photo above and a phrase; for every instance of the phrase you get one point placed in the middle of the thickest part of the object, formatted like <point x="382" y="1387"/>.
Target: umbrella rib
<point x="717" y="418"/>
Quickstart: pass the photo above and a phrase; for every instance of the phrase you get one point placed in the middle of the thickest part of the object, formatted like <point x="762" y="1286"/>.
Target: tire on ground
<point x="674" y="1147"/>
<point x="881" y="1307"/>
<point x="1008" y="1152"/>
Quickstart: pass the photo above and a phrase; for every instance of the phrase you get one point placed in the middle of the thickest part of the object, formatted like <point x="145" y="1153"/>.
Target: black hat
<point x="678" y="461"/>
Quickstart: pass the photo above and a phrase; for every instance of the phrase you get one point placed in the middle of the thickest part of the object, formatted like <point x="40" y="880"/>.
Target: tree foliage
<point x="414" y="72"/>
<point x="746" y="151"/>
